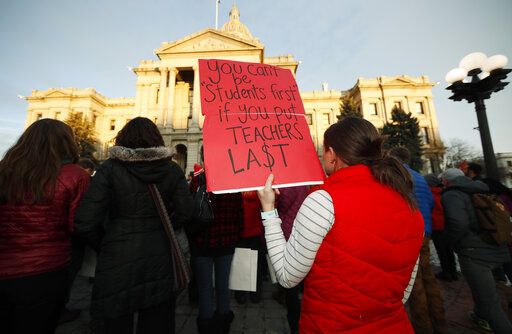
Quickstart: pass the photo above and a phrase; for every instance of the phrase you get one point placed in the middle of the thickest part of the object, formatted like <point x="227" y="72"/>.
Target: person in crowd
<point x="441" y="243"/>
<point x="40" y="189"/>
<point x="87" y="165"/>
<point x="288" y="204"/>
<point x="89" y="258"/>
<point x="474" y="171"/>
<point x="505" y="194"/>
<point x="477" y="258"/>
<point x="426" y="301"/>
<point x="212" y="248"/>
<point x="252" y="238"/>
<point x="355" y="241"/>
<point x="78" y="253"/>
<point x="190" y="176"/>
<point x="118" y="218"/>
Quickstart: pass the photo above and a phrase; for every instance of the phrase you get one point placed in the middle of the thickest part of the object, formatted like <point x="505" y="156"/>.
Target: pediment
<point x="402" y="80"/>
<point x="208" y="40"/>
<point x="56" y="93"/>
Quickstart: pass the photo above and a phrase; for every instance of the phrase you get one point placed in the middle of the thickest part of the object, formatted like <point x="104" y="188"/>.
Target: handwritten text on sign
<point x="254" y="125"/>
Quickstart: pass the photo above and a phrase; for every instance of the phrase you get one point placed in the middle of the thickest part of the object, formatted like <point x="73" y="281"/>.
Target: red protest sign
<point x="254" y="125"/>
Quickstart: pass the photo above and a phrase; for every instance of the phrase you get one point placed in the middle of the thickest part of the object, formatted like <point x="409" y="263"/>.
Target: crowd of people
<point x="357" y="247"/>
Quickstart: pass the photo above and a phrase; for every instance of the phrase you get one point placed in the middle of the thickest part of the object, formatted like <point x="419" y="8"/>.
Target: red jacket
<point x="364" y="264"/>
<point x="36" y="238"/>
<point x="437" y="211"/>
<point x="252" y="216"/>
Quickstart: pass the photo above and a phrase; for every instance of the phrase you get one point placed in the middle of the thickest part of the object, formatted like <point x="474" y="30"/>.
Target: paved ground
<point x="270" y="317"/>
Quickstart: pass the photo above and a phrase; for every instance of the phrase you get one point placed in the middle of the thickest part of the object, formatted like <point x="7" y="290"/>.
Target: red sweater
<point x="364" y="264"/>
<point x="36" y="238"/>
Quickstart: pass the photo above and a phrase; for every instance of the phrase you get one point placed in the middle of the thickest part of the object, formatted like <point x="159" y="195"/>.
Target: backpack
<point x="493" y="218"/>
<point x="203" y="211"/>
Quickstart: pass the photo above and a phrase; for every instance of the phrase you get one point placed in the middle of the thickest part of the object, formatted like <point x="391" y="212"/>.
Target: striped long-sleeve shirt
<point x="292" y="260"/>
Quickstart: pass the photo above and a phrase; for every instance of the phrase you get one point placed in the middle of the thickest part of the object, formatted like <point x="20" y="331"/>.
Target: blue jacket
<point x="424" y="198"/>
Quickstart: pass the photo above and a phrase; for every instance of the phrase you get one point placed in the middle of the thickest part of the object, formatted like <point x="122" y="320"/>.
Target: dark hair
<point x="357" y="141"/>
<point x="401" y="153"/>
<point x="29" y="169"/>
<point x="86" y="163"/>
<point x="140" y="132"/>
<point x="475" y="168"/>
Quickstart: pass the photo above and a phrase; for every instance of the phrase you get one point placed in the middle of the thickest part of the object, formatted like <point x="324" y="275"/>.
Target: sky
<point x="69" y="43"/>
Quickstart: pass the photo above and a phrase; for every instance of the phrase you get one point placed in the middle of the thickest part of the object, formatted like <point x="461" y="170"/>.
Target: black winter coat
<point x="118" y="218"/>
<point x="461" y="223"/>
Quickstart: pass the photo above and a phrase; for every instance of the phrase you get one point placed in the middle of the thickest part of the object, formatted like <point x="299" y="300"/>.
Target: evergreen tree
<point x="348" y="108"/>
<point x="404" y="130"/>
<point x="85" y="135"/>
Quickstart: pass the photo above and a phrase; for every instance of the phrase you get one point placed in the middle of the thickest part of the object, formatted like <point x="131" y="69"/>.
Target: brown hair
<point x="140" y="132"/>
<point x="29" y="169"/>
<point x="357" y="141"/>
<point x="401" y="153"/>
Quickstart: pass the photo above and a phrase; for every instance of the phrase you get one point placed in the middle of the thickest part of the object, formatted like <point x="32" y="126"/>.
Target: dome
<point x="235" y="27"/>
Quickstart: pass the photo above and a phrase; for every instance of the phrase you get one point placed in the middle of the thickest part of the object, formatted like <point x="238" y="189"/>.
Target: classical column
<point x="196" y="104"/>
<point x="172" y="83"/>
<point x="161" y="95"/>
<point x="192" y="154"/>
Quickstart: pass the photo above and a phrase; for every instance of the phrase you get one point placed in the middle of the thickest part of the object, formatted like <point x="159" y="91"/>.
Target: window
<point x="157" y="94"/>
<point x="309" y="119"/>
<point x="94" y="118"/>
<point x="39" y="116"/>
<point x="433" y="166"/>
<point x="509" y="163"/>
<point x="425" y="137"/>
<point x="112" y="124"/>
<point x="418" y="108"/>
<point x="373" y="109"/>
<point x="155" y="120"/>
<point x="326" y="119"/>
<point x="397" y="104"/>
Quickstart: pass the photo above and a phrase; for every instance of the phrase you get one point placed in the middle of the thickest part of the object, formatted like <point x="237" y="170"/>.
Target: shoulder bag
<point x="180" y="266"/>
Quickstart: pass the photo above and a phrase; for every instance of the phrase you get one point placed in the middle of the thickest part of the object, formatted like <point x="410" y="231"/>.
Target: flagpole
<point x="217" y="2"/>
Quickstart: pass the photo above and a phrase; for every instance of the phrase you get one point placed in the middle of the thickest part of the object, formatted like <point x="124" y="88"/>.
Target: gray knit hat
<point x="451" y="174"/>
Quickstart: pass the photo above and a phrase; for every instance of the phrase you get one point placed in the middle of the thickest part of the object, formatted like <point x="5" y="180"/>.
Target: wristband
<point x="269" y="214"/>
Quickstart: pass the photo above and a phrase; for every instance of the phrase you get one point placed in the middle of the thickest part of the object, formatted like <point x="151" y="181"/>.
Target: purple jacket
<point x="288" y="204"/>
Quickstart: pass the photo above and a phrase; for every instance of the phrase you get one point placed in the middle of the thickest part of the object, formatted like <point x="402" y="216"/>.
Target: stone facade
<point x="167" y="91"/>
<point x="504" y="162"/>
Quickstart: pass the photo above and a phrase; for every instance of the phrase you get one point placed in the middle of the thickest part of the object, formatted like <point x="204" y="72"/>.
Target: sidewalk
<point x="269" y="317"/>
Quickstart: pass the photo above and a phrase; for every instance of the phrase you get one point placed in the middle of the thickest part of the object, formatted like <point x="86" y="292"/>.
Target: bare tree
<point x="457" y="151"/>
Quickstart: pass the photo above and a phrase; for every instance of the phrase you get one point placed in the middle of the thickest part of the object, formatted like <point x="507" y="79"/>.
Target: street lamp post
<point x="476" y="78"/>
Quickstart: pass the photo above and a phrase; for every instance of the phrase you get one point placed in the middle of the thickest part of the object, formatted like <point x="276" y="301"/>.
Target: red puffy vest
<point x="364" y="264"/>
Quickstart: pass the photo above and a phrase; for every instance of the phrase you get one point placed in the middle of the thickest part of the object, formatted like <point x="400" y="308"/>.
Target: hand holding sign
<point x="267" y="195"/>
<point x="254" y="124"/>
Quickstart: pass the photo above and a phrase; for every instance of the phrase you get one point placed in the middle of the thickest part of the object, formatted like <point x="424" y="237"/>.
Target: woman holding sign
<point x="355" y="241"/>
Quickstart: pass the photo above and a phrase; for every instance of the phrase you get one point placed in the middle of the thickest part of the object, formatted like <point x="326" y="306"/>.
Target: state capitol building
<point x="167" y="92"/>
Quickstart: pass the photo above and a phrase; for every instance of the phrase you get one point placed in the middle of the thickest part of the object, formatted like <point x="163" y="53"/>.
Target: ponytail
<point x="357" y="141"/>
<point x="391" y="172"/>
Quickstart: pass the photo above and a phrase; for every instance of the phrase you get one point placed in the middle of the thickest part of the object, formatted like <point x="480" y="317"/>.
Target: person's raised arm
<point x="293" y="260"/>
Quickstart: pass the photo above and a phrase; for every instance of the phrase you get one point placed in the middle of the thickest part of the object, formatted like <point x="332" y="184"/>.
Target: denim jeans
<point x="479" y="276"/>
<point x="203" y="271"/>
